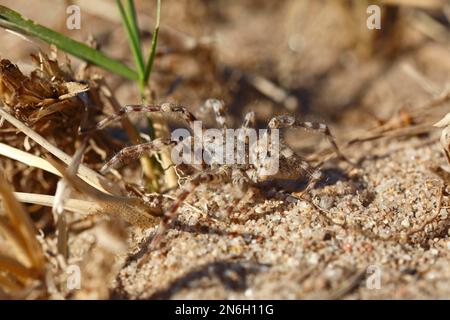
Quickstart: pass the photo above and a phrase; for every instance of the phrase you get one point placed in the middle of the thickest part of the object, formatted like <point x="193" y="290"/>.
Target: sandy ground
<point x="281" y="250"/>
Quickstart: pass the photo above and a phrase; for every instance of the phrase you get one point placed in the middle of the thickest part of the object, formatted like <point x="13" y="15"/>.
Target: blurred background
<point x="315" y="58"/>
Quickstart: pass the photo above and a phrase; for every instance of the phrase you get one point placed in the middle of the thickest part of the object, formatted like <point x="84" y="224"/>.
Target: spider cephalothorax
<point x="268" y="159"/>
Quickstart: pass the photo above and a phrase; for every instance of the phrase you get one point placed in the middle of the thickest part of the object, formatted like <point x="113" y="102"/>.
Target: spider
<point x="258" y="174"/>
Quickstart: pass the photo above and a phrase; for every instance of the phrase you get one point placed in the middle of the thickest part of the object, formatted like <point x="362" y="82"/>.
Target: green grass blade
<point x="133" y="40"/>
<point x="130" y="11"/>
<point x="10" y="19"/>
<point x="151" y="57"/>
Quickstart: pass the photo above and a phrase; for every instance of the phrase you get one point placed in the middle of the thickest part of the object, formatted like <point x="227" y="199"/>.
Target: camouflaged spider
<point x="291" y="166"/>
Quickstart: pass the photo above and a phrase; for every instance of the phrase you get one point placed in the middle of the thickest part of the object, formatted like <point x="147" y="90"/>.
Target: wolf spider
<point x="291" y="165"/>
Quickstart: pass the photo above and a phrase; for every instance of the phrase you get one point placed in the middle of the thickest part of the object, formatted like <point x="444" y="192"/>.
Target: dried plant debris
<point x="32" y="266"/>
<point x="42" y="93"/>
<point x="22" y="260"/>
<point x="51" y="101"/>
<point x="49" y="107"/>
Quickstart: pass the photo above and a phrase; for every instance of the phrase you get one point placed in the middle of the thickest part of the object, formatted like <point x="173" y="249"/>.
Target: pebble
<point x="405" y="223"/>
<point x="326" y="202"/>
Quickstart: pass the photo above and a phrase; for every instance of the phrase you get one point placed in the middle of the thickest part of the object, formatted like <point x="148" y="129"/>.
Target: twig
<point x="74" y="205"/>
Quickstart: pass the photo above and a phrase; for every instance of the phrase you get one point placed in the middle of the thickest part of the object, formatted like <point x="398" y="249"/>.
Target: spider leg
<point x="291" y="167"/>
<point x="315" y="176"/>
<point x="285" y="121"/>
<point x="164" y="108"/>
<point x="240" y="179"/>
<point x="249" y="120"/>
<point x="134" y="152"/>
<point x="243" y="137"/>
<point x="314" y="173"/>
<point x="218" y="108"/>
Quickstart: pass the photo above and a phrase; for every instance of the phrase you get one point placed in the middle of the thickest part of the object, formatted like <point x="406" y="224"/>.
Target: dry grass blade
<point x="392" y="129"/>
<point x="133" y="210"/>
<point x="74" y="205"/>
<point x="86" y="173"/>
<point x="445" y="121"/>
<point x="62" y="188"/>
<point x="8" y="283"/>
<point x="15" y="241"/>
<point x="26" y="158"/>
<point x="13" y="266"/>
<point x="61" y="195"/>
<point x="21" y="222"/>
